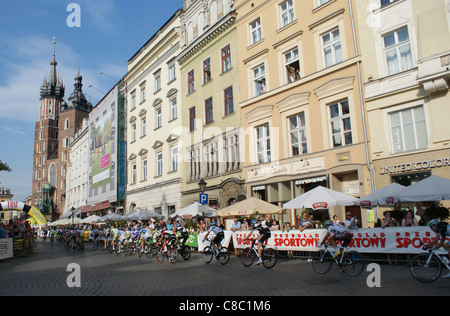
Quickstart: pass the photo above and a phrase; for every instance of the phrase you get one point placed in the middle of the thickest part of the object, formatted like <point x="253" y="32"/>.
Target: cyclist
<point x="442" y="231"/>
<point x="182" y="234"/>
<point x="220" y="235"/>
<point x="264" y="234"/>
<point x="337" y="232"/>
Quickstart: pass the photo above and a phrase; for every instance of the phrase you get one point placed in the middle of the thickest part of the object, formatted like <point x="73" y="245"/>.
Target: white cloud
<point x="25" y="72"/>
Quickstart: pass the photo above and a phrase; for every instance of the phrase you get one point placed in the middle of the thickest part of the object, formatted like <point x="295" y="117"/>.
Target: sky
<point x="97" y="36"/>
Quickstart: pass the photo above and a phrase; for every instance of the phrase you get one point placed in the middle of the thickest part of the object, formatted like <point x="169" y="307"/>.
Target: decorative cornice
<point x="202" y="41"/>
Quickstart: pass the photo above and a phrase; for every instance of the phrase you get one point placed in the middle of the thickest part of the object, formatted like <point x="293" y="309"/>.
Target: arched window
<point x="66" y="124"/>
<point x="52" y="174"/>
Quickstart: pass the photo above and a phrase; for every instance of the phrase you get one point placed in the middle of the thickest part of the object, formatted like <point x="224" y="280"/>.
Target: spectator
<point x="244" y="225"/>
<point x="201" y="226"/>
<point x="351" y="222"/>
<point x="274" y="226"/>
<point x="409" y="220"/>
<point x="236" y="225"/>
<point x="388" y="221"/>
<point x="305" y="222"/>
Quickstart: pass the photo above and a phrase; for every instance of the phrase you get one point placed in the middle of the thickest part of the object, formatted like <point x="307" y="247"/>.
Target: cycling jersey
<point x="338" y="230"/>
<point x="263" y="231"/>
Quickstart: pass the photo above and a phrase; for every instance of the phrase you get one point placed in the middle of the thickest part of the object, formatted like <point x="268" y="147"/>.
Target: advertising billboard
<point x="103" y="150"/>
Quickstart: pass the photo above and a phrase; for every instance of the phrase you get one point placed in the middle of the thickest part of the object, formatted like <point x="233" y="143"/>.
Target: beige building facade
<point x="154" y="123"/>
<point x="405" y="47"/>
<point x="301" y="105"/>
<point x="210" y="112"/>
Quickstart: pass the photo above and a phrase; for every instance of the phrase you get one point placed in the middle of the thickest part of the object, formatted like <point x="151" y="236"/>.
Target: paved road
<point x="103" y="274"/>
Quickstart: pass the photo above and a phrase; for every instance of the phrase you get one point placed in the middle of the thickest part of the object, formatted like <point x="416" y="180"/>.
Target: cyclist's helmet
<point x="213" y="224"/>
<point x="254" y="222"/>
<point x="328" y="223"/>
<point x="433" y="223"/>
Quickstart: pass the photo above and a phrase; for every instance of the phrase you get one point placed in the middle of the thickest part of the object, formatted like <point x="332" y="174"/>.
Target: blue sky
<point x="111" y="32"/>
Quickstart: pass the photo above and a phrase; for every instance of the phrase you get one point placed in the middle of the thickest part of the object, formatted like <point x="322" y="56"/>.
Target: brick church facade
<point x="58" y="122"/>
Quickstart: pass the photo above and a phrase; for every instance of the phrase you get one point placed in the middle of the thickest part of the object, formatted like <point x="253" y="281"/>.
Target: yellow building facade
<point x="405" y="47"/>
<point x="301" y="104"/>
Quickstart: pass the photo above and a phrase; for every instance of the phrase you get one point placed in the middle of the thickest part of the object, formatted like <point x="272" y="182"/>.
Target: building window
<point x="256" y="31"/>
<point x="340" y="126"/>
<point x="157" y="81"/>
<point x="259" y="80"/>
<point x="228" y="101"/>
<point x="159" y="164"/>
<point x="209" y="117"/>
<point x="142" y="93"/>
<point x="172" y="72"/>
<point x="232" y="152"/>
<point x="226" y="58"/>
<point x="174" y="158"/>
<point x="263" y="143"/>
<point x="331" y="47"/>
<point x="207" y="70"/>
<point x="385" y="2"/>
<point x="192" y="119"/>
<point x="158" y="117"/>
<point x="287" y="12"/>
<point x="133" y="173"/>
<point x="133" y="100"/>
<point x="397" y="50"/>
<point x="144" y="169"/>
<point x="292" y="65"/>
<point x="133" y="132"/>
<point x="173" y="109"/>
<point x="191" y="85"/>
<point x="297" y="131"/>
<point x="143" y="126"/>
<point x="408" y="129"/>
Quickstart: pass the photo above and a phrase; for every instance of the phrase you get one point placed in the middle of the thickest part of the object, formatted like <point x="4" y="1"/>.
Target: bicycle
<point x="350" y="261"/>
<point x="221" y="253"/>
<point x="183" y="250"/>
<point x="427" y="267"/>
<point x="269" y="255"/>
<point x="171" y="252"/>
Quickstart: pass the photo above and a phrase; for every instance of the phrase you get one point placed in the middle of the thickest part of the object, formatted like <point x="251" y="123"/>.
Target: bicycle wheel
<point x="160" y="255"/>
<point x="426" y="268"/>
<point x="224" y="256"/>
<point x="247" y="256"/>
<point x="172" y="255"/>
<point x="185" y="252"/>
<point x="321" y="261"/>
<point x="207" y="254"/>
<point x="269" y="257"/>
<point x="353" y="263"/>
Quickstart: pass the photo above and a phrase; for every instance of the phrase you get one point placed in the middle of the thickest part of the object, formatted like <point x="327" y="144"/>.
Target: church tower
<point x="46" y="134"/>
<point x="58" y="122"/>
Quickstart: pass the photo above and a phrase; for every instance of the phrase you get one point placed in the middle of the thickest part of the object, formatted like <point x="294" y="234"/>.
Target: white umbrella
<point x="90" y="220"/>
<point x="430" y="189"/>
<point x="320" y="198"/>
<point x="194" y="209"/>
<point x="143" y="215"/>
<point x="114" y="217"/>
<point x="250" y="206"/>
<point x="384" y="197"/>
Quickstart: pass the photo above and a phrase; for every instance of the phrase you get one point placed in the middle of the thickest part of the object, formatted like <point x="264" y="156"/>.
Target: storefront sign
<point x="414" y="166"/>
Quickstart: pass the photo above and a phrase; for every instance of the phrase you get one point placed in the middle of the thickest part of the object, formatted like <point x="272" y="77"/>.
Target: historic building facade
<point x="405" y="47"/>
<point x="301" y="102"/>
<point x="154" y="123"/>
<point x="210" y="103"/>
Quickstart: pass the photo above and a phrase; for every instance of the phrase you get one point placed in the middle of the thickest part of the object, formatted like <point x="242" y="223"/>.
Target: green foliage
<point x="4" y="167"/>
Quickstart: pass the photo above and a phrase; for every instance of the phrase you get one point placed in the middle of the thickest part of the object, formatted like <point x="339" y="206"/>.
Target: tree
<point x="4" y="167"/>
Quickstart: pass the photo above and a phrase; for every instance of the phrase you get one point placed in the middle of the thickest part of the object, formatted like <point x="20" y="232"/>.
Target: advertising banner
<point x="103" y="148"/>
<point x="369" y="240"/>
<point x="6" y="248"/>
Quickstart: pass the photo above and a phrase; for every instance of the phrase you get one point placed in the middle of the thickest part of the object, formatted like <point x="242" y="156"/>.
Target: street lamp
<point x="202" y="185"/>
<point x="73" y="210"/>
